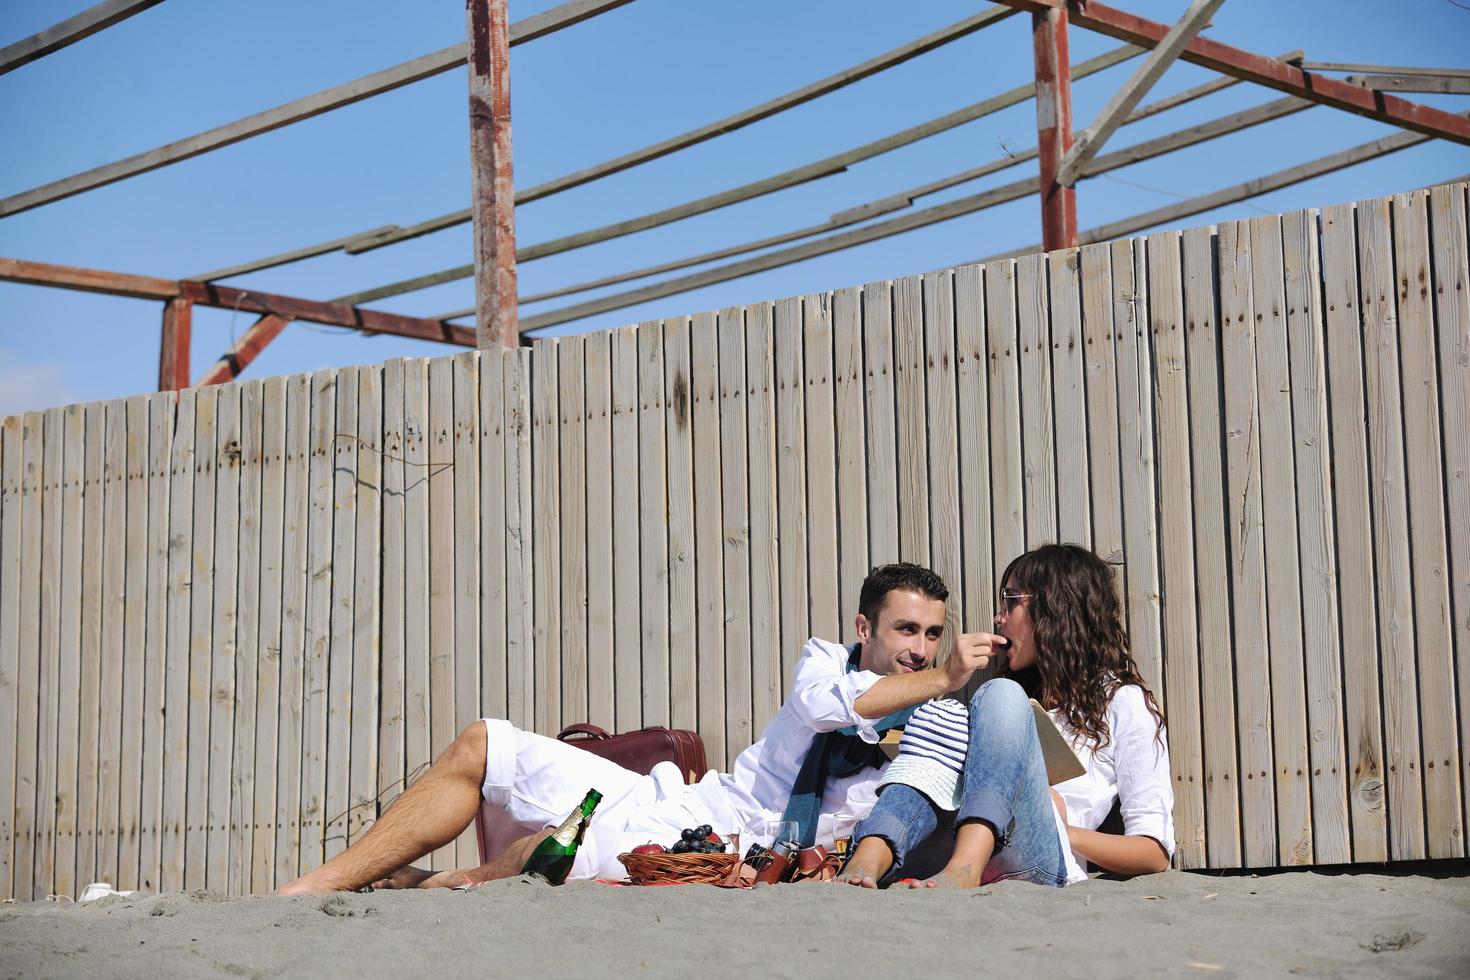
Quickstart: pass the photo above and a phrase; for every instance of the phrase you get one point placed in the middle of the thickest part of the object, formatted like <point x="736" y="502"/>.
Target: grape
<point x="681" y="847"/>
<point x="688" y="834"/>
<point x="703" y="830"/>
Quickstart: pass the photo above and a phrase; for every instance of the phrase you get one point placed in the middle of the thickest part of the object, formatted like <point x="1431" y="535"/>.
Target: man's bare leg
<point x="430" y="813"/>
<point x="507" y="865"/>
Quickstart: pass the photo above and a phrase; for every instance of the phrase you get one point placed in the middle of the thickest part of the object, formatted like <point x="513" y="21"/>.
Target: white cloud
<point x="24" y="387"/>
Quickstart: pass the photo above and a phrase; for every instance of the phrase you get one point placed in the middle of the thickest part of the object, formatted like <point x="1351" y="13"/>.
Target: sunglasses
<point x="1009" y="599"/>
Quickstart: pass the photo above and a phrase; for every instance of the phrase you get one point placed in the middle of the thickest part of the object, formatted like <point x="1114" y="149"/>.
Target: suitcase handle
<point x="591" y="731"/>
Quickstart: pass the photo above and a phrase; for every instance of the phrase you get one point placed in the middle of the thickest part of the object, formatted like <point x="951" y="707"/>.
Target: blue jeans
<point x="1004" y="785"/>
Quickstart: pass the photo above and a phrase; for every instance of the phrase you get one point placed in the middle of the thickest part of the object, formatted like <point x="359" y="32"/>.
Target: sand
<point x="1176" y="924"/>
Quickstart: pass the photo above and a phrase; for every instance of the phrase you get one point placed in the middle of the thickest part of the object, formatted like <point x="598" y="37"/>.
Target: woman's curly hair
<point x="1081" y="640"/>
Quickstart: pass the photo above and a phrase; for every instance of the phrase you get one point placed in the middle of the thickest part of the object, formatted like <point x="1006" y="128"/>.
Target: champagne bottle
<point x="552" y="858"/>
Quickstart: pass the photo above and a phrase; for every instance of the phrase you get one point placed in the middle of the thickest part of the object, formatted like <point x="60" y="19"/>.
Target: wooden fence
<point x="235" y="620"/>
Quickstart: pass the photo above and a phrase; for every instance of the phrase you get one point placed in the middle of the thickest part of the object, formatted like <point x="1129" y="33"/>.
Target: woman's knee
<point x="1000" y="693"/>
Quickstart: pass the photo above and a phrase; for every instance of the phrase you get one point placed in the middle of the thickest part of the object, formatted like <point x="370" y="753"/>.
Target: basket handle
<point x="591" y="731"/>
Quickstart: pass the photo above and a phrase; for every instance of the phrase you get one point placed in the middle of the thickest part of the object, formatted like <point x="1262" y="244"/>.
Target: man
<point x="801" y="768"/>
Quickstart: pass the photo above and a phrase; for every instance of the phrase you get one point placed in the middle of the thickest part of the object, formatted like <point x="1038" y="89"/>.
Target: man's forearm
<point x="898" y="691"/>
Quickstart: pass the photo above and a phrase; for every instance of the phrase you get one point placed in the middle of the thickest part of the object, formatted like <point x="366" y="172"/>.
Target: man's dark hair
<point x="900" y="575"/>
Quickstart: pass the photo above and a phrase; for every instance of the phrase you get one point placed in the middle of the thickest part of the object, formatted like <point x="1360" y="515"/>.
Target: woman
<point x="1069" y="650"/>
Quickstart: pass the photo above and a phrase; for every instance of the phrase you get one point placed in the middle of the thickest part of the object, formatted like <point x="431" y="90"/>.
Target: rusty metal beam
<point x="70" y="31"/>
<point x="173" y="349"/>
<point x="1095" y="136"/>
<point x="229" y="298"/>
<point x="1054" y="125"/>
<point x="233" y="362"/>
<point x="492" y="190"/>
<point x="1256" y="68"/>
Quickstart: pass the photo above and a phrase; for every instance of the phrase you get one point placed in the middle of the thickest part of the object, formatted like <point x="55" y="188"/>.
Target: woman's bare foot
<point x="405" y="877"/>
<point x="962" y="875"/>
<point x="869" y="863"/>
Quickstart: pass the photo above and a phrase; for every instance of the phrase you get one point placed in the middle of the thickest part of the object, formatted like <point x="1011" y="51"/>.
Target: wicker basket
<point x="677" y="869"/>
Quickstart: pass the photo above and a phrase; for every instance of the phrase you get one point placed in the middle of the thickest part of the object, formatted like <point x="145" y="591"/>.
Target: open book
<point x="1062" y="763"/>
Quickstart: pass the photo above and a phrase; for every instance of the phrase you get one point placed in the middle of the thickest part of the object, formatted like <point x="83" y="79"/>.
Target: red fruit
<point x="650" y="849"/>
<point x="714" y="839"/>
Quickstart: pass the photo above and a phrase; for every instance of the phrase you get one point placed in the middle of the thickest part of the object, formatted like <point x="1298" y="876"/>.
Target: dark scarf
<point x="834" y="755"/>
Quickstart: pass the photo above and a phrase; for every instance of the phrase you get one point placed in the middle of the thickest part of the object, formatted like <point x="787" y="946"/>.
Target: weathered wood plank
<point x="366" y="604"/>
<point x="498" y="504"/>
<point x="221" y="693"/>
<point x="421" y="465"/>
<point x="1064" y="291"/>
<point x="817" y="401"/>
<point x="1221" y="770"/>
<point x="11" y="530"/>
<point x="1003" y="383"/>
<point x="1101" y="384"/>
<point x="766" y="596"/>
<point x="942" y="479"/>
<point x="91" y="488"/>
<point x="1136" y="447"/>
<point x="160" y="422"/>
<point x="294" y="574"/>
<point x="317" y="649"/>
<point x="654" y="523"/>
<point x="571" y="355"/>
<point x="732" y="503"/>
<point x="1038" y="425"/>
<point x="520" y="649"/>
<point x="125" y="592"/>
<point x="683" y="612"/>
<point x="709" y="526"/>
<point x="1428" y="535"/>
<point x="1247" y="557"/>
<point x="247" y="666"/>
<point x="545" y="518"/>
<point x="440" y="568"/>
<point x="1176" y="531"/>
<point x="271" y="463"/>
<point x="1278" y="499"/>
<point x="182" y="466"/>
<point x="342" y="452"/>
<point x="911" y="423"/>
<point x="796" y="463"/>
<point x="1344" y="332"/>
<point x="1377" y="306"/>
<point x="393" y="651"/>
<point x="66" y="711"/>
<point x="201" y="638"/>
<point x="1452" y="326"/>
<point x="627" y="584"/>
<point x="1316" y="541"/>
<point x="598" y="537"/>
<point x="465" y="562"/>
<point x="972" y="405"/>
<point x="881" y="424"/>
<point x="852" y="479"/>
<point x="28" y="655"/>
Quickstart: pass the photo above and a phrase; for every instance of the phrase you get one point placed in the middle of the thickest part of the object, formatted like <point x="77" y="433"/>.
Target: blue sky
<point x="631" y="77"/>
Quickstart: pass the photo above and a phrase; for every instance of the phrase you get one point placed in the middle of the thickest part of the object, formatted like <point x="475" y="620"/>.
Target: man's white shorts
<point x="537" y="781"/>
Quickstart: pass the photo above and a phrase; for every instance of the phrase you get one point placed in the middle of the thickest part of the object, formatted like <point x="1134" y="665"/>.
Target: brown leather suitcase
<point x="637" y="751"/>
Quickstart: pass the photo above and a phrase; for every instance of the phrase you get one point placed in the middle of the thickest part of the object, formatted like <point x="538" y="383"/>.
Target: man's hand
<point x="971" y="652"/>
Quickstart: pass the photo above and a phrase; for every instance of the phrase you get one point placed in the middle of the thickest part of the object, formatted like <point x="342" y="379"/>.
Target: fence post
<point x="1054" y="126"/>
<point x="492" y="190"/>
<point x="173" y="354"/>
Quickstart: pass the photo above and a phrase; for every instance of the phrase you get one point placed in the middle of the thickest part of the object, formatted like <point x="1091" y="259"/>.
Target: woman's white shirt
<point x="1132" y="767"/>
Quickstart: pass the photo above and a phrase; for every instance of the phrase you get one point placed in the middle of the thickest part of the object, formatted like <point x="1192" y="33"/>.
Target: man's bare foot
<point x="869" y="863"/>
<point x="318" y="882"/>
<point x="405" y="877"/>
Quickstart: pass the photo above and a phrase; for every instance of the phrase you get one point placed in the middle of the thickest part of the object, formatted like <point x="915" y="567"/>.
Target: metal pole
<point x="173" y="354"/>
<point x="1054" y="126"/>
<point x="492" y="190"/>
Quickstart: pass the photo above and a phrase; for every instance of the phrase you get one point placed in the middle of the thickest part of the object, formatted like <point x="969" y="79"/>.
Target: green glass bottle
<point x="552" y="858"/>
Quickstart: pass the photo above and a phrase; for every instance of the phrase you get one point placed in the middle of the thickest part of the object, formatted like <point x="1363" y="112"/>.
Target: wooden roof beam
<point x="70" y="31"/>
<point x="1263" y="71"/>
<point x="428" y="65"/>
<point x="1092" y="139"/>
<point x="1441" y="85"/>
